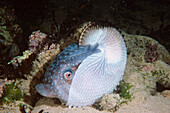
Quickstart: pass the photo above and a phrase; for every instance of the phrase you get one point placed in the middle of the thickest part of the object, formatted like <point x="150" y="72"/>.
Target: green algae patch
<point x="125" y="93"/>
<point x="11" y="93"/>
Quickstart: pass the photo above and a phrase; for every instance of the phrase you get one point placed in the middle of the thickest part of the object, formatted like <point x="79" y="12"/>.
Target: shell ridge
<point x="99" y="73"/>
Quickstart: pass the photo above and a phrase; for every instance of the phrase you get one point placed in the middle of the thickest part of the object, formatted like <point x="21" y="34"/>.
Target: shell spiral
<point x="101" y="72"/>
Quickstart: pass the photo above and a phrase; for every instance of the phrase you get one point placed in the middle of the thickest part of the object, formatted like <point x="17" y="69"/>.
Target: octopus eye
<point x="68" y="75"/>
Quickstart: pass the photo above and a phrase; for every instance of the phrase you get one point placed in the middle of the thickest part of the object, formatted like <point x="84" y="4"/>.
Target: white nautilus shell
<point x="101" y="72"/>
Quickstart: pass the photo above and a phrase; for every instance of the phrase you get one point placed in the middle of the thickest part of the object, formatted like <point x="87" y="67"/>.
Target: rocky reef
<point x="146" y="82"/>
<point x="144" y="77"/>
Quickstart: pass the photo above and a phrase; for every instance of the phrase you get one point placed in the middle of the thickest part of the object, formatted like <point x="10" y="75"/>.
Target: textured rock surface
<point x="137" y="45"/>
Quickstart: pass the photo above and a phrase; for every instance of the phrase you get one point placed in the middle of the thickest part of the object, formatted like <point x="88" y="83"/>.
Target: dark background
<point x="141" y="17"/>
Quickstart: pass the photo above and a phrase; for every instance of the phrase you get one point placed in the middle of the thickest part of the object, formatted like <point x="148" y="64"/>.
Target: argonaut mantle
<point x="82" y="73"/>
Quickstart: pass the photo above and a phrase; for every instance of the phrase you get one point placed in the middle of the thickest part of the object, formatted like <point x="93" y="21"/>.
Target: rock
<point x="166" y="93"/>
